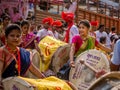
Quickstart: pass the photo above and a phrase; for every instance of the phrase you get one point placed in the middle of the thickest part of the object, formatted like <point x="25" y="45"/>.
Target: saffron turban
<point x="94" y="23"/>
<point x="68" y="17"/>
<point x="57" y="23"/>
<point x="48" y="20"/>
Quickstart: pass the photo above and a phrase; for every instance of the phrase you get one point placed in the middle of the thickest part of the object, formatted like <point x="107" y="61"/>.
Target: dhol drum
<point x="83" y="74"/>
<point x="109" y="81"/>
<point x="20" y="83"/>
<point x="35" y="60"/>
<point x="15" y="83"/>
<point x="60" y="57"/>
<point x="53" y="50"/>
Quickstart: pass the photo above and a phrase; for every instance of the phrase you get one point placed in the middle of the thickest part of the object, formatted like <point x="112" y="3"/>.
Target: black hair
<point x="100" y="26"/>
<point x="85" y="23"/>
<point x="39" y="26"/>
<point x="10" y="28"/>
<point x="29" y="18"/>
<point x="113" y="29"/>
<point x="114" y="37"/>
<point x="102" y="39"/>
<point x="24" y="22"/>
<point x="67" y="1"/>
<point x="64" y="24"/>
<point x="18" y="23"/>
<point x="0" y="19"/>
<point x="5" y="16"/>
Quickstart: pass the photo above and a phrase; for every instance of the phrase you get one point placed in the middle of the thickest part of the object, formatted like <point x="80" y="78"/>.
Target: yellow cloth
<point x="49" y="83"/>
<point x="48" y="46"/>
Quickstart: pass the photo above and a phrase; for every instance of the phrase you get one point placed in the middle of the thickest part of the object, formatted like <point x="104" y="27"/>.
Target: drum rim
<point x="107" y="62"/>
<point x="19" y="80"/>
<point x="107" y="75"/>
<point x="53" y="56"/>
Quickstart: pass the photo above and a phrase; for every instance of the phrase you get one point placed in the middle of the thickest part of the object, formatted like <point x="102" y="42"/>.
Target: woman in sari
<point x="83" y="42"/>
<point x="27" y="37"/>
<point x="30" y="42"/>
<point x="15" y="61"/>
<point x="6" y="21"/>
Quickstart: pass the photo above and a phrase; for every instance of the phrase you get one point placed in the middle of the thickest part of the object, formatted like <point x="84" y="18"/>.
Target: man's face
<point x="102" y="29"/>
<point x="46" y="25"/>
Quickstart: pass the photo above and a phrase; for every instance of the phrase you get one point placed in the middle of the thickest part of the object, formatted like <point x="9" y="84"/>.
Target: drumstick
<point x="86" y="64"/>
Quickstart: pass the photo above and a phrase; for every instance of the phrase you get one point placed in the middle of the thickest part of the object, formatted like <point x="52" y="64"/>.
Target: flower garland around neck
<point x="17" y="59"/>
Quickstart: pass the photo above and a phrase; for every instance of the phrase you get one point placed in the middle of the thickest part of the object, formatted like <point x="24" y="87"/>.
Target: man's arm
<point x="115" y="61"/>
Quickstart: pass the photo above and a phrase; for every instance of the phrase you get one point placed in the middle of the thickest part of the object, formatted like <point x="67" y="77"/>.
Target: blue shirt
<point x="116" y="54"/>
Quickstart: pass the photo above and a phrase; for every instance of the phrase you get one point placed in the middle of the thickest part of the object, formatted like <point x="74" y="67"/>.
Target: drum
<point x="109" y="81"/>
<point x="49" y="46"/>
<point x="15" y="83"/>
<point x="21" y="83"/>
<point x="60" y="57"/>
<point x="82" y="75"/>
<point x="35" y="60"/>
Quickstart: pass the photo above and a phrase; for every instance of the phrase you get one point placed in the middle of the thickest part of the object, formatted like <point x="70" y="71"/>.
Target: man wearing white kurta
<point x="45" y="31"/>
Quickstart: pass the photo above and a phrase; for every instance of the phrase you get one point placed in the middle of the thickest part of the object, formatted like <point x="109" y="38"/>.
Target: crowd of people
<point x="17" y="35"/>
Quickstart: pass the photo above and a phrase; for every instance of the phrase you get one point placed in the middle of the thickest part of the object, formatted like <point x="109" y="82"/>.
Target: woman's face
<point x="25" y="29"/>
<point x="83" y="30"/>
<point x="14" y="38"/>
<point x="6" y="21"/>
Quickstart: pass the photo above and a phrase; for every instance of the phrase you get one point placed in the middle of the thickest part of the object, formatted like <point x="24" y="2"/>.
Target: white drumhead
<point x="60" y="57"/>
<point x="16" y="83"/>
<point x="81" y="75"/>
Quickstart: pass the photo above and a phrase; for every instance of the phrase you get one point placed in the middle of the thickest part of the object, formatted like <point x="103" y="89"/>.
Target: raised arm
<point x="99" y="45"/>
<point x="72" y="52"/>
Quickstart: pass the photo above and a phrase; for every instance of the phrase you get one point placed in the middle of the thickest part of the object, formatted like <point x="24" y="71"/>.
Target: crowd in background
<point x="82" y="36"/>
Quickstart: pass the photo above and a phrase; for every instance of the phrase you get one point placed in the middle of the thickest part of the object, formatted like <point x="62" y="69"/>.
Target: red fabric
<point x="68" y="17"/>
<point x="57" y="23"/>
<point x="94" y="23"/>
<point x="48" y="20"/>
<point x="66" y="39"/>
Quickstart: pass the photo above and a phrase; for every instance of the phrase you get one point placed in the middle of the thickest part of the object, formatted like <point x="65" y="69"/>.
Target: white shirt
<point x="44" y="32"/>
<point x="100" y="34"/>
<point x="108" y="42"/>
<point x="73" y="31"/>
<point x="56" y="35"/>
<point x="72" y="7"/>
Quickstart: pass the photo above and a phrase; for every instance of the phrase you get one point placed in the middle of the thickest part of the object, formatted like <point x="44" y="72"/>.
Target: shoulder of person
<point x="118" y="42"/>
<point x="74" y="26"/>
<point x="24" y="50"/>
<point x="96" y="31"/>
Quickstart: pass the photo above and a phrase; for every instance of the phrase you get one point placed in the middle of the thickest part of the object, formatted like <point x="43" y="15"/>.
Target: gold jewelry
<point x="16" y="66"/>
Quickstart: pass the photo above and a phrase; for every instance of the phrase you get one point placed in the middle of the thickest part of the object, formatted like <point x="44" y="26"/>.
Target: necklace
<point x="17" y="59"/>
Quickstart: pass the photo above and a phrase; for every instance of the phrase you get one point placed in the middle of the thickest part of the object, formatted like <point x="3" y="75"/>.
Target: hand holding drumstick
<point x="98" y="73"/>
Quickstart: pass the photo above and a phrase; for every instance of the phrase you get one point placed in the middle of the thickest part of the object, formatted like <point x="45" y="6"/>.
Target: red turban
<point x="94" y="23"/>
<point x="57" y="23"/>
<point x="68" y="17"/>
<point x="48" y="20"/>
